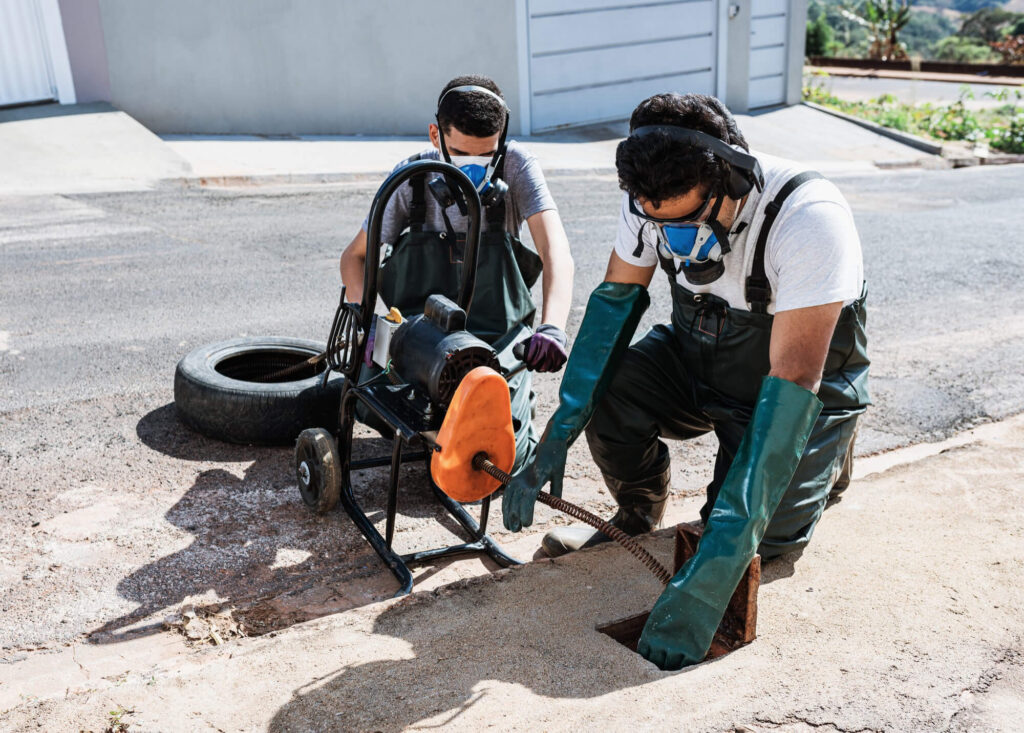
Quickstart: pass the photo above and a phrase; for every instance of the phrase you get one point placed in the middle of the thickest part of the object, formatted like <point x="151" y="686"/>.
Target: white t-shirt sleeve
<point x="625" y="240"/>
<point x="815" y="253"/>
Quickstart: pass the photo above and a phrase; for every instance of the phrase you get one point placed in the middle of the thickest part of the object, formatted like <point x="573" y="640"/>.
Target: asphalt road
<point x="111" y="512"/>
<point x="100" y="295"/>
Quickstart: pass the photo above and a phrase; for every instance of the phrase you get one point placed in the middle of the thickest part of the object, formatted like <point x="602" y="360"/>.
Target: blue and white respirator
<point x="477" y="168"/>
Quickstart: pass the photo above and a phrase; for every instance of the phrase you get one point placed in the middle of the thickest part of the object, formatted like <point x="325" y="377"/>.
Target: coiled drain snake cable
<point x="482" y="463"/>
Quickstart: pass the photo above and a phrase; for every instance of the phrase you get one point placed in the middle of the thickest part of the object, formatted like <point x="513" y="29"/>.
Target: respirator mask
<point x="696" y="242"/>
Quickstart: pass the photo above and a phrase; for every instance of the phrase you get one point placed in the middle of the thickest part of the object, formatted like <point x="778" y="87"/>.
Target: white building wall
<point x="302" y="66"/>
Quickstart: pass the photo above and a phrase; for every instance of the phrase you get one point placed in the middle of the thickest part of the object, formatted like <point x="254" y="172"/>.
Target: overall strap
<point x="418" y="204"/>
<point x="759" y="290"/>
<point x="496" y="214"/>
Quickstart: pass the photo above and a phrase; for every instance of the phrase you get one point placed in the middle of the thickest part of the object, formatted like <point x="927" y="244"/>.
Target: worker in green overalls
<point x="424" y="234"/>
<point x="766" y="347"/>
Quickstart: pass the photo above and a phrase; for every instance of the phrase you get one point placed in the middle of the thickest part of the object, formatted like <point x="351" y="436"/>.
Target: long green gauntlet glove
<point x="683" y="622"/>
<point x="613" y="313"/>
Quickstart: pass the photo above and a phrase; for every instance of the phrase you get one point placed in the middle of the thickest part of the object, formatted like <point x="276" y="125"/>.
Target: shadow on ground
<point x="255" y="547"/>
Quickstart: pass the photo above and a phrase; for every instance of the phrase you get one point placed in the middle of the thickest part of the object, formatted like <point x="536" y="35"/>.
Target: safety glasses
<point x="693" y="218"/>
<point x="688" y="237"/>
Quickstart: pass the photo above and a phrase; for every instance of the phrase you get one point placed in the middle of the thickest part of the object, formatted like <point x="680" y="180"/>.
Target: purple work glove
<point x="545" y="350"/>
<point x="368" y="355"/>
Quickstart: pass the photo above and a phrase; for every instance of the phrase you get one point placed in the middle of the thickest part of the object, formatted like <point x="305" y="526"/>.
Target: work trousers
<point x="653" y="397"/>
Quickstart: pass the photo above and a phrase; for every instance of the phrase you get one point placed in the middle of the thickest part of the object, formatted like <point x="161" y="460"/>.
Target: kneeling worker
<point x="766" y="348"/>
<point x="424" y="240"/>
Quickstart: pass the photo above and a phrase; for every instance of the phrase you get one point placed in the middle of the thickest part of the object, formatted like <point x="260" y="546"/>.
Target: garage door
<point x="594" y="60"/>
<point x="768" y="36"/>
<point x="25" y="74"/>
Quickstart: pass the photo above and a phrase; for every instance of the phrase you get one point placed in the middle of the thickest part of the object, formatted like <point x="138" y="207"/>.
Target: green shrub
<point x="819" y="37"/>
<point x="1009" y="137"/>
<point x="963" y="51"/>
<point x="1002" y="128"/>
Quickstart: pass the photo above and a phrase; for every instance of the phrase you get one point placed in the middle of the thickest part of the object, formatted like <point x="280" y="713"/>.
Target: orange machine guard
<point x="479" y="420"/>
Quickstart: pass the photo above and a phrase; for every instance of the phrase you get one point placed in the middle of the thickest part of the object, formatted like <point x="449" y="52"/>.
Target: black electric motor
<point x="434" y="351"/>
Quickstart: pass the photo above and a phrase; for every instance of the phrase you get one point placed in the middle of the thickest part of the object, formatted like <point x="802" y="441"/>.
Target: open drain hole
<point x="739" y="625"/>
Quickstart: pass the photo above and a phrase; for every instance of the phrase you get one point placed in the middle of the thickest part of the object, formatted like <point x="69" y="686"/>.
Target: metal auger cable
<point x="482" y="463"/>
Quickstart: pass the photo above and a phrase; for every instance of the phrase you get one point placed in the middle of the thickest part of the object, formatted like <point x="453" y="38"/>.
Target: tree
<point x="924" y="30"/>
<point x="884" y="19"/>
<point x="819" y="37"/>
<point x="988" y="24"/>
<point x="1011" y="49"/>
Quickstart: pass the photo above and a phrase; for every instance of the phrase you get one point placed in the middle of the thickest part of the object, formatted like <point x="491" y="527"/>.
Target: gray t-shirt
<point x="527" y="195"/>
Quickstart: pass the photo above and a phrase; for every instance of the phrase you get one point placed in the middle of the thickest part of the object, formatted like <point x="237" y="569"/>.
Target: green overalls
<point x="702" y="373"/>
<point x="422" y="263"/>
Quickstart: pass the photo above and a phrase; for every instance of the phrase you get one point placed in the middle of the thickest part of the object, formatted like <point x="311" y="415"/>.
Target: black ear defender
<point x="493" y="189"/>
<point x="744" y="171"/>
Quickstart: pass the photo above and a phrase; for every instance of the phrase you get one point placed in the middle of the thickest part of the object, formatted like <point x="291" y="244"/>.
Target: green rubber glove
<point x="613" y="313"/>
<point x="683" y="621"/>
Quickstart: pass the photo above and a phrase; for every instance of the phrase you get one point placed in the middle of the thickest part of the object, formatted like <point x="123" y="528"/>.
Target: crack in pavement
<point x="792" y="718"/>
<point x="1008" y="656"/>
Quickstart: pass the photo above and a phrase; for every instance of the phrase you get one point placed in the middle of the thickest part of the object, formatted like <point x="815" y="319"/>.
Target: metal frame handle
<point x="373" y="234"/>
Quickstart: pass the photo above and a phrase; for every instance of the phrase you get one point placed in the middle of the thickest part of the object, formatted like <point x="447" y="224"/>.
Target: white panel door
<point x="768" y="52"/>
<point x="25" y="72"/>
<point x="594" y="60"/>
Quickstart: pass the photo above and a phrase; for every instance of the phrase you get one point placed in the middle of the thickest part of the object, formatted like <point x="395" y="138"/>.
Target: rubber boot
<point x="641" y="507"/>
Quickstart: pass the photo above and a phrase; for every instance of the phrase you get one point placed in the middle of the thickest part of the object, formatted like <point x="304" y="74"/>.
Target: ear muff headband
<point x="744" y="169"/>
<point x="473" y="88"/>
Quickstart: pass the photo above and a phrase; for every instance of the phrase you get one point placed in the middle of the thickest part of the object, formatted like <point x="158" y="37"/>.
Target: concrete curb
<point x="947" y="77"/>
<point x="271" y="179"/>
<point x="906" y="138"/>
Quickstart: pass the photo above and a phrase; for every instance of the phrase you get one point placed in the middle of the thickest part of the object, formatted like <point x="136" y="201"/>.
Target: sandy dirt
<point x="904" y="614"/>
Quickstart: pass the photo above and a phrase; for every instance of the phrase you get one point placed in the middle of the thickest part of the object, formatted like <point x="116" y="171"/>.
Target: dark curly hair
<point x="655" y="167"/>
<point x="471" y="113"/>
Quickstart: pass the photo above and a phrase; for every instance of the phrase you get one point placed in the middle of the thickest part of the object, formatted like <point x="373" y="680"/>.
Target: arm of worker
<point x="613" y="314"/>
<point x="816" y="252"/>
<point x="394" y="221"/>
<point x="353" y="265"/>
<point x="799" y="343"/>
<point x="546" y="350"/>
<point x="553" y="247"/>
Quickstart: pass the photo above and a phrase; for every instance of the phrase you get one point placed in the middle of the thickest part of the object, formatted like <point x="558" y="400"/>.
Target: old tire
<point x="216" y="391"/>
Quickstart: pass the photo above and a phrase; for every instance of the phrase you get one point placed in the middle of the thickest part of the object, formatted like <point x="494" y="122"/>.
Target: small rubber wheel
<point x="317" y="470"/>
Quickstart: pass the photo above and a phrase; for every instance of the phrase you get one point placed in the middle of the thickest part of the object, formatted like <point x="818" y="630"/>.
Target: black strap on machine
<point x="759" y="290"/>
<point x="418" y="204"/>
<point x="496" y="213"/>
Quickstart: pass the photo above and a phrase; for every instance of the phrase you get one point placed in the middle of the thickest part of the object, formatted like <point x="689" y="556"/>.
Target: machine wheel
<point x="317" y="470"/>
<point x="219" y="391"/>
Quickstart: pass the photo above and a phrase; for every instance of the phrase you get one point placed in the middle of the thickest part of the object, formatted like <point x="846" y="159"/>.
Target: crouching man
<point x="424" y="242"/>
<point x="766" y="348"/>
